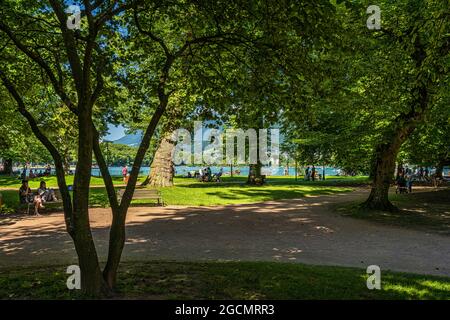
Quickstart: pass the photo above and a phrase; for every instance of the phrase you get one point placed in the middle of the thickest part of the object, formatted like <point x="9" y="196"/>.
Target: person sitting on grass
<point x="216" y="177"/>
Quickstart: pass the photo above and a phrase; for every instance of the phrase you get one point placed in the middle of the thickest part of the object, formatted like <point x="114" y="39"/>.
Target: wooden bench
<point x="57" y="203"/>
<point x="50" y="204"/>
<point x="144" y="193"/>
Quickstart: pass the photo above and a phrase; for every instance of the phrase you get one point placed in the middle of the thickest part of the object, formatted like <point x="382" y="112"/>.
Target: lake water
<point x="183" y="170"/>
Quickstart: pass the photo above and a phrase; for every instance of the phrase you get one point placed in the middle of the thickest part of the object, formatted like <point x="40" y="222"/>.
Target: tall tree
<point x="80" y="68"/>
<point x="420" y="39"/>
<point x="73" y="63"/>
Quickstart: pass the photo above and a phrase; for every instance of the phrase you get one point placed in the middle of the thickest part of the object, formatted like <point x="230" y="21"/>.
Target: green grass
<point x="190" y="192"/>
<point x="7" y="182"/>
<point x="202" y="194"/>
<point x="426" y="211"/>
<point x="229" y="280"/>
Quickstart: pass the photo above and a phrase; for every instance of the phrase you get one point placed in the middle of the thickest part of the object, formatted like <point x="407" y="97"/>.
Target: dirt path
<point x="301" y="230"/>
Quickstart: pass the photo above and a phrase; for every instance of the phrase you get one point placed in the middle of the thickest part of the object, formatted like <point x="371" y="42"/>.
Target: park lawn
<point x="345" y="181"/>
<point x="230" y="191"/>
<point x="425" y="210"/>
<point x="206" y="194"/>
<point x="228" y="280"/>
<point x="7" y="182"/>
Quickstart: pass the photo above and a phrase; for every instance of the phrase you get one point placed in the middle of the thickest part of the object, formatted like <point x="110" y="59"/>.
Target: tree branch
<point x="41" y="62"/>
<point x="70" y="45"/>
<point x="151" y="35"/>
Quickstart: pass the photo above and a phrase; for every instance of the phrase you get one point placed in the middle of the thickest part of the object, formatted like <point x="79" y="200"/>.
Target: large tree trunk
<point x="383" y="168"/>
<point x="92" y="283"/>
<point x="382" y="177"/>
<point x="66" y="159"/>
<point x="254" y="174"/>
<point x="7" y="167"/>
<point x="161" y="171"/>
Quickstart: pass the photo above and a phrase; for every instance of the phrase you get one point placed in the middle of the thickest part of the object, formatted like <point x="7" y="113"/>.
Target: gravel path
<point x="302" y="230"/>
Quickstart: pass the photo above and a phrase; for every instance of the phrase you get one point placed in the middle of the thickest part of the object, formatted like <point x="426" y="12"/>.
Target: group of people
<point x="206" y="175"/>
<point x="419" y="172"/>
<point x="311" y="174"/>
<point x="405" y="177"/>
<point x="404" y="182"/>
<point x="35" y="173"/>
<point x="43" y="195"/>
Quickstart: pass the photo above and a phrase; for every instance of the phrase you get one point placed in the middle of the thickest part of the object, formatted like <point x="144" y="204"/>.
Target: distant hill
<point x="132" y="140"/>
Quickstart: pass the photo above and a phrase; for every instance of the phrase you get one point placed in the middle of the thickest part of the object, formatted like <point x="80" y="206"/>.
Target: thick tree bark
<point x="91" y="276"/>
<point x="66" y="159"/>
<point x="383" y="169"/>
<point x="254" y="174"/>
<point x="161" y="173"/>
<point x="7" y="167"/>
<point x="382" y="178"/>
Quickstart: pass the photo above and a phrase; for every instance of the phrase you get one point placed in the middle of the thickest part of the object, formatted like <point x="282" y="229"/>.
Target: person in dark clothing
<point x="23" y="175"/>
<point x="401" y="184"/>
<point x="409" y="182"/>
<point x="25" y="194"/>
<point x="208" y="174"/>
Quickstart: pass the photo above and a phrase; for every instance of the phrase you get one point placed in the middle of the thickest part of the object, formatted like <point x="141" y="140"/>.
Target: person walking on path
<point x="124" y="173"/>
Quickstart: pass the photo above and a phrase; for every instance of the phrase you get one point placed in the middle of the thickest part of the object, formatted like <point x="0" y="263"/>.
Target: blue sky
<point x="114" y="132"/>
